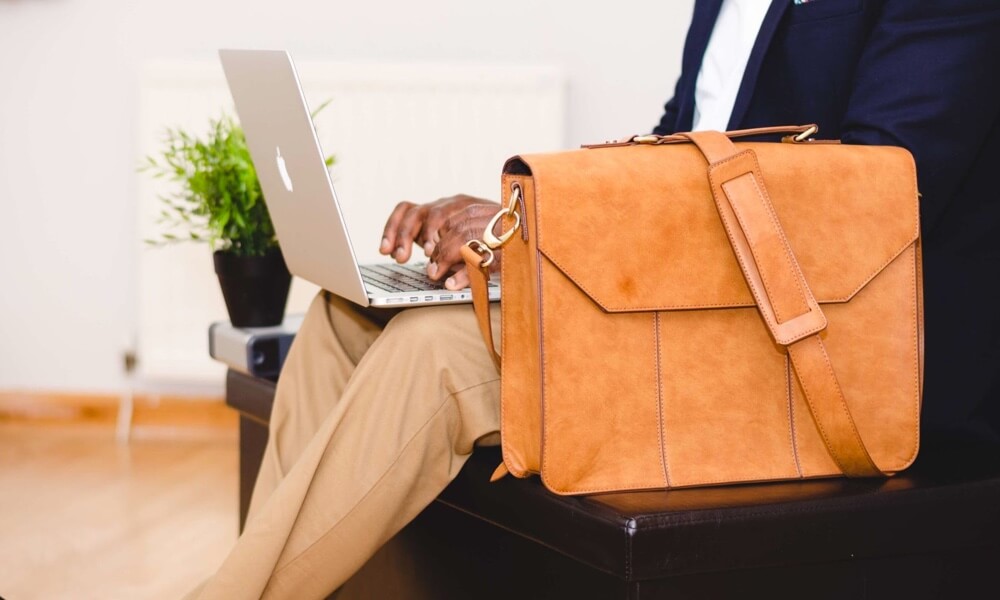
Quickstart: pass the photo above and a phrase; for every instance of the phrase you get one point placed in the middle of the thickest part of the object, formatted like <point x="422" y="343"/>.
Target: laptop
<point x="300" y="196"/>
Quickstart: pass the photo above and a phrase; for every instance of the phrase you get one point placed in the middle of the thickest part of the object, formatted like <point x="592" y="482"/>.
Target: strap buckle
<point x="482" y="250"/>
<point x="647" y="139"/>
<point x="805" y="136"/>
<point x="493" y="241"/>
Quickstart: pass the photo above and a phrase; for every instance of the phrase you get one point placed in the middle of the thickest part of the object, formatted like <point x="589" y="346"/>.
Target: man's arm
<point x="668" y="122"/>
<point x="929" y="81"/>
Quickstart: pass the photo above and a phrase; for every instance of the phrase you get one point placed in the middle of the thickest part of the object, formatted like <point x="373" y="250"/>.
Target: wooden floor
<point x="84" y="517"/>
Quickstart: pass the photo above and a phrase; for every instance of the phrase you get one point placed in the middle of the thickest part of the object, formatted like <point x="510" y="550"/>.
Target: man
<point x="376" y="412"/>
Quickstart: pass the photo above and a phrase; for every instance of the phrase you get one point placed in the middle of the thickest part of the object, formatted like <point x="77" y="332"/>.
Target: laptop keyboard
<point x="400" y="278"/>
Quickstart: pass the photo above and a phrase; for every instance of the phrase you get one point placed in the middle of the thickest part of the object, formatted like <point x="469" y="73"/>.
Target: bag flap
<point x="636" y="227"/>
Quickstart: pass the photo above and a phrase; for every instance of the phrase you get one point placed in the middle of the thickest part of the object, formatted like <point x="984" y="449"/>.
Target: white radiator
<point x="399" y="132"/>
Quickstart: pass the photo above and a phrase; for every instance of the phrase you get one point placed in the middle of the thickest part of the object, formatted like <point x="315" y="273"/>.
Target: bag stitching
<point x="790" y="260"/>
<point x="740" y="303"/>
<point x="819" y="424"/>
<point x="763" y="276"/>
<point x="732" y="241"/>
<point x="916" y="315"/>
<point x="792" y="438"/>
<point x="793" y="262"/>
<point x="916" y="362"/>
<point x="522" y="467"/>
<point x="503" y="350"/>
<point x="542" y="443"/>
<point x="659" y="400"/>
<point x="843" y="403"/>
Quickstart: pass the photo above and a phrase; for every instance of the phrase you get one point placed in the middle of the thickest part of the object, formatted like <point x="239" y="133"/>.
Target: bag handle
<point x="794" y="134"/>
<point x="781" y="292"/>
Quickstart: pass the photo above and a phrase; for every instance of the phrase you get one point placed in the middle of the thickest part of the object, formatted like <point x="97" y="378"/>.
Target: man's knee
<point x="429" y="325"/>
<point x="440" y="337"/>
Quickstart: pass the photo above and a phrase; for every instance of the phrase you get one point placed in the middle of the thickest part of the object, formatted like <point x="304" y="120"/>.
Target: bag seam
<point x="792" y="438"/>
<point x="659" y="400"/>
<point x="784" y="246"/>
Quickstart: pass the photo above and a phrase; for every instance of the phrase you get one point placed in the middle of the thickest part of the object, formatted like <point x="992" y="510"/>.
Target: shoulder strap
<point x="479" y="277"/>
<point x="782" y="294"/>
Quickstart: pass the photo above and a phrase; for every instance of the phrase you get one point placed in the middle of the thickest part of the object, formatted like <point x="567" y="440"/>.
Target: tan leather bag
<point x="683" y="311"/>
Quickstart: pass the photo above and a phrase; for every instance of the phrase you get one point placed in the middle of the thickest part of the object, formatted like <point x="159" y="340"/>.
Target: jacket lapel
<point x="702" y="24"/>
<point x="749" y="82"/>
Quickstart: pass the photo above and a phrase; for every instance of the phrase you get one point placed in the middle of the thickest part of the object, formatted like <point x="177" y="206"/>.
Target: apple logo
<point x="283" y="170"/>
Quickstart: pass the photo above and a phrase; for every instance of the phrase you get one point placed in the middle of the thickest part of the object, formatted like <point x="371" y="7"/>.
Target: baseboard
<point x="149" y="411"/>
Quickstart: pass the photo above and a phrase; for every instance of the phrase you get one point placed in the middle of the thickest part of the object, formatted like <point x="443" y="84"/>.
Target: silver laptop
<point x="299" y="192"/>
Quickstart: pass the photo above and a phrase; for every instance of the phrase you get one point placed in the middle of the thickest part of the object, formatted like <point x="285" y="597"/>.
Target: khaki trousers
<point x="373" y="417"/>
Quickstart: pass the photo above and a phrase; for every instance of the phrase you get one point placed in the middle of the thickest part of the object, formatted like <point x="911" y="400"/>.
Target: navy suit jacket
<point x="924" y="75"/>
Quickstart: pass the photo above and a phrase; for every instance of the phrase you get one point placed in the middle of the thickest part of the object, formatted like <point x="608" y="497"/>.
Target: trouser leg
<point x="334" y="336"/>
<point x="408" y="417"/>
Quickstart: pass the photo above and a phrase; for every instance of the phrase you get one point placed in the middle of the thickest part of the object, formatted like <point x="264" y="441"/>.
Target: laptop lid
<point x="290" y="166"/>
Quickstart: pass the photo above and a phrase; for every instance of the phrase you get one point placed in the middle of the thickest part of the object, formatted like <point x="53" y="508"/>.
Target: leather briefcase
<point x="686" y="310"/>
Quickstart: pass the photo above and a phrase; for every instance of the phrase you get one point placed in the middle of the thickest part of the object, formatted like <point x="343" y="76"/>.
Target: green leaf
<point x="320" y="108"/>
<point x="217" y="199"/>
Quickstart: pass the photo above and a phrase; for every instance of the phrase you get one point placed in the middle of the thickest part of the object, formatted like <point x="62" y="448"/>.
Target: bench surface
<point x="932" y="531"/>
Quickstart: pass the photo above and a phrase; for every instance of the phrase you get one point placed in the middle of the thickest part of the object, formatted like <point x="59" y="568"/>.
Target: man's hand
<point x="440" y="228"/>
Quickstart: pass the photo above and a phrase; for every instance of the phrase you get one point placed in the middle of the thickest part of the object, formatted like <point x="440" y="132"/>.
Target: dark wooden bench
<point x="932" y="532"/>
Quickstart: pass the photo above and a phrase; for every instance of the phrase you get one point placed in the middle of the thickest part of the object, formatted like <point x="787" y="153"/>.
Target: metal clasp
<point x="805" y="135"/>
<point x="646" y="139"/>
<point x="493" y="241"/>
<point x="482" y="250"/>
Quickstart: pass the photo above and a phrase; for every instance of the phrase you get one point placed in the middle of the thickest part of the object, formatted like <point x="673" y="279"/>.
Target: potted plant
<point x="217" y="199"/>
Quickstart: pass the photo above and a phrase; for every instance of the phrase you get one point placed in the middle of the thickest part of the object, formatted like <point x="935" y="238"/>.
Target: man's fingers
<point x="433" y="237"/>
<point x="437" y="215"/>
<point x="459" y="280"/>
<point x="409" y="228"/>
<point x="457" y="230"/>
<point x="430" y="235"/>
<point x="446" y="254"/>
<point x="448" y="229"/>
<point x="389" y="233"/>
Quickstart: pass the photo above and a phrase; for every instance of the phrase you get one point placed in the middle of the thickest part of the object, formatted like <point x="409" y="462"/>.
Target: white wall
<point x="68" y="108"/>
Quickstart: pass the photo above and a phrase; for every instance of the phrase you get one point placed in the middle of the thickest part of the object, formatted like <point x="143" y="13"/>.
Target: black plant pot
<point x="255" y="287"/>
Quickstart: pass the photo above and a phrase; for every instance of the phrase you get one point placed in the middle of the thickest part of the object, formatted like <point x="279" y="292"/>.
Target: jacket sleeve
<point x="929" y="81"/>
<point x="668" y="122"/>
